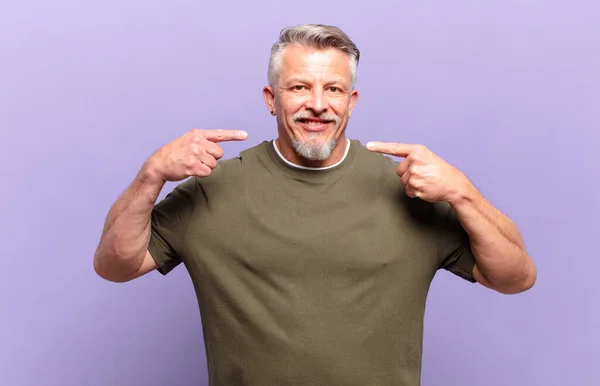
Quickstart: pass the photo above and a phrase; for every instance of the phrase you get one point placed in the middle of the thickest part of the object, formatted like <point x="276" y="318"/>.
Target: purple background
<point x="508" y="91"/>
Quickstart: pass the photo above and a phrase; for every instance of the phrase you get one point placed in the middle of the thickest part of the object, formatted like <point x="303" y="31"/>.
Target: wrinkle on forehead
<point x="309" y="64"/>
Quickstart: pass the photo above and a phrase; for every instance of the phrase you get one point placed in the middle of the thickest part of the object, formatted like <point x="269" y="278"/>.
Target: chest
<point x="340" y="233"/>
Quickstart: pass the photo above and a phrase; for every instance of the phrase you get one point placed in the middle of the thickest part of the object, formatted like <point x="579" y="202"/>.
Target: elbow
<point x="530" y="278"/>
<point x="529" y="274"/>
<point x="103" y="269"/>
<point x="526" y="281"/>
<point x="509" y="282"/>
<point x="98" y="264"/>
<point x="100" y="267"/>
<point x="519" y="287"/>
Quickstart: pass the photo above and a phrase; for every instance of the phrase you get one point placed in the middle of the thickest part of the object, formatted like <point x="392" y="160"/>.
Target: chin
<point x="313" y="147"/>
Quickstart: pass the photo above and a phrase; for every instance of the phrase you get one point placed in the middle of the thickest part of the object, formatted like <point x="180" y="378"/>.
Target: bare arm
<point x="122" y="253"/>
<point x="502" y="261"/>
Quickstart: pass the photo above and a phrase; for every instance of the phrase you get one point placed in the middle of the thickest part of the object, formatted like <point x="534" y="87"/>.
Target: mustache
<point x="325" y="117"/>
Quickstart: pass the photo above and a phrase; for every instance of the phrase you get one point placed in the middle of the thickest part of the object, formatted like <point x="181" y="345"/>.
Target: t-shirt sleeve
<point x="169" y="222"/>
<point x="455" y="253"/>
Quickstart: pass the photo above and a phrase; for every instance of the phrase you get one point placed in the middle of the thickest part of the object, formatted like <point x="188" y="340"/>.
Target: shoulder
<point x="373" y="158"/>
<point x="382" y="171"/>
<point x="229" y="172"/>
<point x="376" y="167"/>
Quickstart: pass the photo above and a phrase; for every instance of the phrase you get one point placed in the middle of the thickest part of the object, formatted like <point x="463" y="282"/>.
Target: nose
<point x="317" y="101"/>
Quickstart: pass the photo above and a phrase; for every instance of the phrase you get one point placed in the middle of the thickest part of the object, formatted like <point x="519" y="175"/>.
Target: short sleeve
<point x="454" y="247"/>
<point x="169" y="221"/>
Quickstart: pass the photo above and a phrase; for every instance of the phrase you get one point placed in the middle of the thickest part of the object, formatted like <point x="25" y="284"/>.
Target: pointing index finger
<point x="221" y="135"/>
<point x="391" y="148"/>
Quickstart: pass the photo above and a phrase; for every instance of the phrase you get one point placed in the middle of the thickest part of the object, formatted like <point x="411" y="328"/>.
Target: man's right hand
<point x="193" y="154"/>
<point x="122" y="253"/>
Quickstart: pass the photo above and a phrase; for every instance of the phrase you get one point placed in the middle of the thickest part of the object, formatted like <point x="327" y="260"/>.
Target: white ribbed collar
<point x="310" y="168"/>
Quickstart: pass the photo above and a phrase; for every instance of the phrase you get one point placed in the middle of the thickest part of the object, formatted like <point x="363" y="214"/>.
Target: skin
<point x="316" y="83"/>
<point x="502" y="261"/>
<point x="122" y="253"/>
<point x="319" y="82"/>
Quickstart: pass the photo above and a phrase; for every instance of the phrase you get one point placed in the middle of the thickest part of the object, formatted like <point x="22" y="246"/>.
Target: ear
<point x="352" y="102"/>
<point x="269" y="95"/>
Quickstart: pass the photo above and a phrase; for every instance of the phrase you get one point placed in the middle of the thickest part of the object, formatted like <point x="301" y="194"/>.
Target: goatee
<point x="313" y="149"/>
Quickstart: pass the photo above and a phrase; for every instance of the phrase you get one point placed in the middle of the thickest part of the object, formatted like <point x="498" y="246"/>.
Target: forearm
<point x="126" y="234"/>
<point x="499" y="250"/>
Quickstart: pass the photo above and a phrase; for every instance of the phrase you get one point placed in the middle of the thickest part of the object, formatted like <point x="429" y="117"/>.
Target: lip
<point x="314" y="127"/>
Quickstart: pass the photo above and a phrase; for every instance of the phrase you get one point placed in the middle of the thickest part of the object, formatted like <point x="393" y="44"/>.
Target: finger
<point x="209" y="160"/>
<point x="410" y="190"/>
<point x="391" y="148"/>
<point x="213" y="149"/>
<point x="202" y="170"/>
<point x="221" y="135"/>
<point x="405" y="179"/>
<point x="415" y="193"/>
<point x="403" y="167"/>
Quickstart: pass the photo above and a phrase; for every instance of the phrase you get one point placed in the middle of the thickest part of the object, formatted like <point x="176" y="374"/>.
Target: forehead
<point x="315" y="64"/>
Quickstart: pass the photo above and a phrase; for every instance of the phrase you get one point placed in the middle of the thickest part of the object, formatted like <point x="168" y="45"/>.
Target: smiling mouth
<point x="313" y="121"/>
<point x="314" y="124"/>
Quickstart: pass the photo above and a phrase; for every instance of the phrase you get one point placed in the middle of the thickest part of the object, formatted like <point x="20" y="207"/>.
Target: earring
<point x="272" y="112"/>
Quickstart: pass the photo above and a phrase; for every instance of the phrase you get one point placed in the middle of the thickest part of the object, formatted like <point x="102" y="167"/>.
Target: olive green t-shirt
<point x="309" y="277"/>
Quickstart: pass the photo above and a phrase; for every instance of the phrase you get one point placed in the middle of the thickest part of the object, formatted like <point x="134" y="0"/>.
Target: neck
<point x="287" y="151"/>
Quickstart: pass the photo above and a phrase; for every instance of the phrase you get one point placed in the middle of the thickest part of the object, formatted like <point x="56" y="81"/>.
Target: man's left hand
<point x="424" y="174"/>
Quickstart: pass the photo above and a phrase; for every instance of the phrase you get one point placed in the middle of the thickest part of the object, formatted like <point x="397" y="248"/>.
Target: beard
<point x="312" y="147"/>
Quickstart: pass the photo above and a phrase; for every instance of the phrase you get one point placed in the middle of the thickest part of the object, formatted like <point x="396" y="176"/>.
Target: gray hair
<point x="313" y="36"/>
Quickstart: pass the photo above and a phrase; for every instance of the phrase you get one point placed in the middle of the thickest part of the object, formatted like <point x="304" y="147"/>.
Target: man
<point x="311" y="255"/>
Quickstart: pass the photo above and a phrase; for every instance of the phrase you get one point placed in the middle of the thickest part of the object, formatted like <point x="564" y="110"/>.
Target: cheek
<point x="340" y="101"/>
<point x="340" y="107"/>
<point x="292" y="106"/>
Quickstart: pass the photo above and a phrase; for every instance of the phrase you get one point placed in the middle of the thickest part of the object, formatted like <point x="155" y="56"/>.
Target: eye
<point x="334" y="89"/>
<point x="298" y="87"/>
